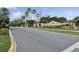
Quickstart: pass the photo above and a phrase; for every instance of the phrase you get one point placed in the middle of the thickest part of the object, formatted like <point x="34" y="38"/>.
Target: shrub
<point x="3" y="31"/>
<point x="53" y="27"/>
<point x="30" y="23"/>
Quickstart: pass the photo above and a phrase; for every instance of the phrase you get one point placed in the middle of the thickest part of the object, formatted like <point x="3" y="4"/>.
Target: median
<point x="5" y="42"/>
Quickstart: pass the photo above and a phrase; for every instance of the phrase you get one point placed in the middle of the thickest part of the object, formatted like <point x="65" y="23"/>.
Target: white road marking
<point x="71" y="48"/>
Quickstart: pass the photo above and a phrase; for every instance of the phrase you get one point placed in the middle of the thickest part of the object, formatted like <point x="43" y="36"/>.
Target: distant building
<point x="53" y="23"/>
<point x="67" y="25"/>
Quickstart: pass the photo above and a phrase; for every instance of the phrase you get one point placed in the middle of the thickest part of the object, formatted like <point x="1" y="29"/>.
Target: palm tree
<point x="33" y="12"/>
<point x="4" y="16"/>
<point x="37" y="15"/>
<point x="23" y="20"/>
<point x="4" y="11"/>
<point x="27" y="12"/>
<point x="23" y="17"/>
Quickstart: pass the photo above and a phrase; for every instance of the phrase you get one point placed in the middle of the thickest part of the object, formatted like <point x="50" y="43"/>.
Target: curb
<point x="71" y="48"/>
<point x="13" y="43"/>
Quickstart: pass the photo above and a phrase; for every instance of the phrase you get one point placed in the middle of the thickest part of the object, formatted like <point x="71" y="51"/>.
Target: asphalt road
<point x="32" y="40"/>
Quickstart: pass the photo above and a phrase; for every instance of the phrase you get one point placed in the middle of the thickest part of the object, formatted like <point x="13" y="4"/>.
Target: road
<point x="33" y="40"/>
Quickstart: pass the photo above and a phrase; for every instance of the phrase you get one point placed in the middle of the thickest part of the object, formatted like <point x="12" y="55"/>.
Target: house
<point x="53" y="23"/>
<point x="66" y="25"/>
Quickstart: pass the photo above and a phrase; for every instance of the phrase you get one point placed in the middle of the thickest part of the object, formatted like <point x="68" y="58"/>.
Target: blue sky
<point x="68" y="12"/>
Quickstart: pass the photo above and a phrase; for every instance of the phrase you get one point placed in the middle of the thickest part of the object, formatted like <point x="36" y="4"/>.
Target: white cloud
<point x="70" y="14"/>
<point x="15" y="15"/>
<point x="45" y="8"/>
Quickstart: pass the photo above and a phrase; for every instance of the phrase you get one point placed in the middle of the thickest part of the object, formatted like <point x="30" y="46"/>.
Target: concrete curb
<point x="13" y="43"/>
<point x="71" y="48"/>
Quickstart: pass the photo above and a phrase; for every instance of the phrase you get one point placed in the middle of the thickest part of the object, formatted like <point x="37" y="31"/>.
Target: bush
<point x="4" y="31"/>
<point x="53" y="27"/>
<point x="30" y="23"/>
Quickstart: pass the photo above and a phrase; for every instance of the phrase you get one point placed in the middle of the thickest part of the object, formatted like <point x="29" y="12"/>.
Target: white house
<point x="52" y="23"/>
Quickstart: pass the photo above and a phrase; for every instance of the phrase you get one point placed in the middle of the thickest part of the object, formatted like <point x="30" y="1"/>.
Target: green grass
<point x="3" y="31"/>
<point x="4" y="40"/>
<point x="71" y="32"/>
<point x="4" y="43"/>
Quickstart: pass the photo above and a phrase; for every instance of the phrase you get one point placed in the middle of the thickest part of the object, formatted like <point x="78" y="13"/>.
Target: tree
<point x="49" y="19"/>
<point x="23" y="17"/>
<point x="17" y="22"/>
<point x="33" y="13"/>
<point x="76" y="21"/>
<point x="37" y="15"/>
<point x="62" y="19"/>
<point x="27" y="12"/>
<point x="42" y="20"/>
<point x="30" y="23"/>
<point x="54" y="19"/>
<point x="4" y="17"/>
<point x="23" y="20"/>
<point x="45" y="19"/>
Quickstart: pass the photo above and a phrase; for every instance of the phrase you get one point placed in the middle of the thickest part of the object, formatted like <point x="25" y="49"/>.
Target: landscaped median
<point x="4" y="43"/>
<point x="7" y="43"/>
<point x="71" y="32"/>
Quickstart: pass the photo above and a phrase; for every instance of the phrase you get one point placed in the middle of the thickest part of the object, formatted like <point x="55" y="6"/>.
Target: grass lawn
<point x="72" y="32"/>
<point x="4" y="43"/>
<point x="69" y="32"/>
<point x="4" y="40"/>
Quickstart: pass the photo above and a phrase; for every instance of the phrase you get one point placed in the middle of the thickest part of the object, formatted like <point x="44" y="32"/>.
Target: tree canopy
<point x="76" y="20"/>
<point x="4" y="17"/>
<point x="49" y="19"/>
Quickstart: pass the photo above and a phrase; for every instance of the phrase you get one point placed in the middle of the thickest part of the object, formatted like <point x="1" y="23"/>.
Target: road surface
<point x="32" y="40"/>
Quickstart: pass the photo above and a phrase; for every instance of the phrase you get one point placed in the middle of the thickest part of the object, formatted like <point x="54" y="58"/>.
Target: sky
<point x="67" y="12"/>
